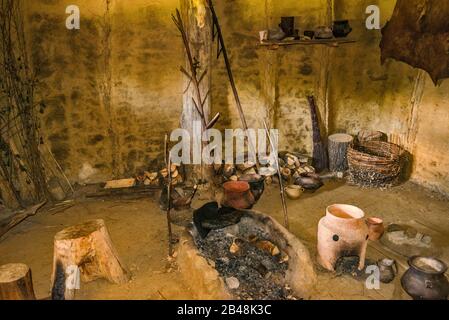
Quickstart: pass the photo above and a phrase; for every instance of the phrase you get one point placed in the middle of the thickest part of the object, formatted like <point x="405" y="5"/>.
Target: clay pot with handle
<point x="388" y="270"/>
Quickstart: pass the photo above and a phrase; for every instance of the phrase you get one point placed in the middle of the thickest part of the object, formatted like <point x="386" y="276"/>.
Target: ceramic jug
<point x="388" y="270"/>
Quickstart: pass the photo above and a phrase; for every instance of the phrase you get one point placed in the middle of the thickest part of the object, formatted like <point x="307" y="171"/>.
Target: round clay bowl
<point x="376" y="228"/>
<point x="294" y="192"/>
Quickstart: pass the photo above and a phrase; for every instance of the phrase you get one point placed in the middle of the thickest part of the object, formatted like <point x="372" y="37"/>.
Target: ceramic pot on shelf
<point x="341" y="28"/>
<point x="288" y="26"/>
<point x="425" y="279"/>
<point x="342" y="232"/>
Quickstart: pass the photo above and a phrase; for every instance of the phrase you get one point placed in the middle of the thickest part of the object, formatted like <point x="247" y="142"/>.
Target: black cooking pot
<point x="425" y="279"/>
<point x="256" y="183"/>
<point x="341" y="28"/>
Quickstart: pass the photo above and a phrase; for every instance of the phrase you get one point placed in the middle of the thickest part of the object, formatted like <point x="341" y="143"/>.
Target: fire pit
<point x="255" y="258"/>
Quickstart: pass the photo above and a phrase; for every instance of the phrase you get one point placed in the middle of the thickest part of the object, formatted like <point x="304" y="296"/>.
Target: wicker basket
<point x="375" y="164"/>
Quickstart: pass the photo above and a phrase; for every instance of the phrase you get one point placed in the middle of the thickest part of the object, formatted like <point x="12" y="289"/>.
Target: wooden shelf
<point x="334" y="42"/>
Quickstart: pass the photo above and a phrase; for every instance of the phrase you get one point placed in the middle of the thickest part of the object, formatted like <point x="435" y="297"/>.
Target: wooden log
<point x="320" y="157"/>
<point x="88" y="247"/>
<point x="338" y="145"/>
<point x="16" y="282"/>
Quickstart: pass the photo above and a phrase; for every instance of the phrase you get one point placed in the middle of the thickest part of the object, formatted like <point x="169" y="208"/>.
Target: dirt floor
<point x="138" y="230"/>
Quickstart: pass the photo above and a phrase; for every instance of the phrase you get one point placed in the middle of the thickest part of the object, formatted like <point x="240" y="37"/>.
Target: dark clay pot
<point x="425" y="279"/>
<point x="288" y="26"/>
<point x="341" y="28"/>
<point x="256" y="184"/>
<point x="237" y="195"/>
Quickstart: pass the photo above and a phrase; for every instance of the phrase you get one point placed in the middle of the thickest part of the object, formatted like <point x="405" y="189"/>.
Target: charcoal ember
<point x="261" y="276"/>
<point x="211" y="217"/>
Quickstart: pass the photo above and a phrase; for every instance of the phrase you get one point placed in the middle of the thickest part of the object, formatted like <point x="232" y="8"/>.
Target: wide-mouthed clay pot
<point x="237" y="195"/>
<point x="343" y="232"/>
<point x="425" y="279"/>
<point x="294" y="192"/>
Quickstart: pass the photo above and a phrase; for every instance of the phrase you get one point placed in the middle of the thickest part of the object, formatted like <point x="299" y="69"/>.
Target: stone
<point x="232" y="283"/>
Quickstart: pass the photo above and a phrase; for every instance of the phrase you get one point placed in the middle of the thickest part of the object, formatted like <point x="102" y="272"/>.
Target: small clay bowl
<point x="376" y="228"/>
<point x="294" y="192"/>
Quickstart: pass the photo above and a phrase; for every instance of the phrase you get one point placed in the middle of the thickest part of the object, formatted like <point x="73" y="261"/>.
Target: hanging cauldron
<point x="425" y="279"/>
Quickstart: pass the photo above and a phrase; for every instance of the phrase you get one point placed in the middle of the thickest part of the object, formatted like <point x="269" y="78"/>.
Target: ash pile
<point x="250" y="264"/>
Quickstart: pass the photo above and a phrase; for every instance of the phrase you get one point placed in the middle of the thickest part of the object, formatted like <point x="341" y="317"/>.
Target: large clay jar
<point x="237" y="195"/>
<point x="425" y="279"/>
<point x="343" y="232"/>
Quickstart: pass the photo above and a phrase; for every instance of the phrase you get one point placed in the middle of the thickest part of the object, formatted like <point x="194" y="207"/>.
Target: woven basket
<point x="375" y="163"/>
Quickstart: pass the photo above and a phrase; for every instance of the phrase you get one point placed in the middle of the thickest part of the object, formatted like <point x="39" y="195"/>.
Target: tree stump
<point x="338" y="145"/>
<point x="16" y="282"/>
<point x="88" y="248"/>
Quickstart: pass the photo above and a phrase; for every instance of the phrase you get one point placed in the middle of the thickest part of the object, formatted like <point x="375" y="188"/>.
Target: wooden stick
<point x="281" y="184"/>
<point x="60" y="168"/>
<point x="193" y="76"/>
<point x="222" y="50"/>
<point x="10" y="222"/>
<point x="170" y="235"/>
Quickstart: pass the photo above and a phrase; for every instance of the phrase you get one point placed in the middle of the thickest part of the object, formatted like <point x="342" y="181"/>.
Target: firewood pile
<point x="375" y="164"/>
<point x="159" y="178"/>
<point x="292" y="166"/>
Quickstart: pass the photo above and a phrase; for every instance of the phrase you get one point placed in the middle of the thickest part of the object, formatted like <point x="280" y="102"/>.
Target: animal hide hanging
<point x="418" y="34"/>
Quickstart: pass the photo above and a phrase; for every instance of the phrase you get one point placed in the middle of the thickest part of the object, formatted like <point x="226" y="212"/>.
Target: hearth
<point x="255" y="258"/>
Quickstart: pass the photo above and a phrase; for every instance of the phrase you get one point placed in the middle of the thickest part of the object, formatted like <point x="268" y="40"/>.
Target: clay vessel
<point x="256" y="184"/>
<point x="309" y="181"/>
<point x="288" y="26"/>
<point x="388" y="270"/>
<point x="237" y="195"/>
<point x="342" y="233"/>
<point x="294" y="192"/>
<point x="376" y="228"/>
<point x="425" y="279"/>
<point x="341" y="28"/>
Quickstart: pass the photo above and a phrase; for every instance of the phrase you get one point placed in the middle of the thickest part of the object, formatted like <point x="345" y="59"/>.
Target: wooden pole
<point x="222" y="50"/>
<point x="170" y="234"/>
<point x="16" y="282"/>
<point x="281" y="184"/>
